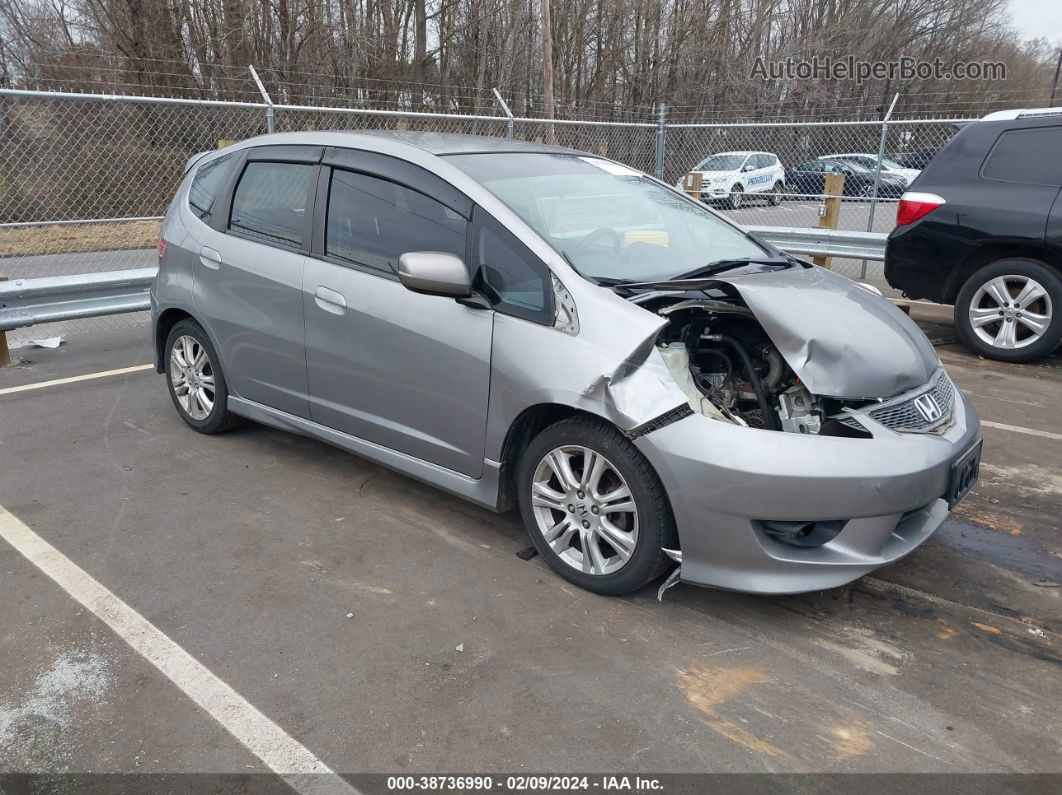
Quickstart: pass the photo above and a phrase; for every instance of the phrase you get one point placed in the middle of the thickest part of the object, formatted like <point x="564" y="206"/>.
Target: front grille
<point x="904" y="415"/>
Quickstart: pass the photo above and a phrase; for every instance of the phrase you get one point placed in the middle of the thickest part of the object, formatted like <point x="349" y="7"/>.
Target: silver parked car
<point x="527" y="325"/>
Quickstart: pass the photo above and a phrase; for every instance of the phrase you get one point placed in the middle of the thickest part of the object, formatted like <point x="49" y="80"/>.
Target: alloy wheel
<point x="192" y="377"/>
<point x="584" y="510"/>
<point x="1010" y="311"/>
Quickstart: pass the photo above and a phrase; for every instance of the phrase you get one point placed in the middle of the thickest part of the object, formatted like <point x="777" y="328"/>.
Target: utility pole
<point x="1054" y="85"/>
<point x="547" y="72"/>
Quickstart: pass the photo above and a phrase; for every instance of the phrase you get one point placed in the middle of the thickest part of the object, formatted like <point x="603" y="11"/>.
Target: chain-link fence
<point x="774" y="174"/>
<point x="84" y="179"/>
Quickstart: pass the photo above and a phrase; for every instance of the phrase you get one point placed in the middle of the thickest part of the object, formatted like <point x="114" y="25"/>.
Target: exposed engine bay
<point x="728" y="367"/>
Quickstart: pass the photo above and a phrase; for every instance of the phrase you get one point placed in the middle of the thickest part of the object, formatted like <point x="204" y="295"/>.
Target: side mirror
<point x="748" y="167"/>
<point x="434" y="273"/>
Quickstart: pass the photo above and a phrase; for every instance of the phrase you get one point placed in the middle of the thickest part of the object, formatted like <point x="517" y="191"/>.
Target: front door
<point x="761" y="177"/>
<point x="407" y="371"/>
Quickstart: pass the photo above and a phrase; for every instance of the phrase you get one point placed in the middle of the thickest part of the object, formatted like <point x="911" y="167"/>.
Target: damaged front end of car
<point x="818" y="433"/>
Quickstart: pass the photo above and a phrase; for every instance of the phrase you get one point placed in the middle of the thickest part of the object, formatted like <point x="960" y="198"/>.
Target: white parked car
<point x="731" y="177"/>
<point x="888" y="166"/>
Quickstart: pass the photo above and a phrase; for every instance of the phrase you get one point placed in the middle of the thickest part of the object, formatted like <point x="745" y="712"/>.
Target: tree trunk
<point x="547" y="73"/>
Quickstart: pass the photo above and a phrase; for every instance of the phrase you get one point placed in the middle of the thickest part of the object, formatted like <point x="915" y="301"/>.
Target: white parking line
<point x="1018" y="429"/>
<point x="280" y="752"/>
<point x="74" y="379"/>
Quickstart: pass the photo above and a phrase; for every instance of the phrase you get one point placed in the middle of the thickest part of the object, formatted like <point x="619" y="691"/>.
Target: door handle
<point x="210" y="258"/>
<point x="329" y="300"/>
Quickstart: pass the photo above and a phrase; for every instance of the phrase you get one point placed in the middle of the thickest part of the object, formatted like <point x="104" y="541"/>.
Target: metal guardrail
<point x="817" y="242"/>
<point x="29" y="302"/>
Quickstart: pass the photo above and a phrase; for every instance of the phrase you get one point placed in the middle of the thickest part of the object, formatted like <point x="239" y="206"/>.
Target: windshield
<point x="722" y="163"/>
<point x="608" y="220"/>
<point x="889" y="163"/>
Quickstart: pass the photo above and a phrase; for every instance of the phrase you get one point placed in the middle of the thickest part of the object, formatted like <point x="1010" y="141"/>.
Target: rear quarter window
<point x="1030" y="157"/>
<point x="208" y="181"/>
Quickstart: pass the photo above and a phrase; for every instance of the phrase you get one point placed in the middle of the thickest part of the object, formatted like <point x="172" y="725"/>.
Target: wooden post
<point x="5" y="352"/>
<point x="694" y="184"/>
<point x="833" y="189"/>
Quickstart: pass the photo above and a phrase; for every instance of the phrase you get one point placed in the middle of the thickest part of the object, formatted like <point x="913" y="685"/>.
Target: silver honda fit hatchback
<point x="535" y="327"/>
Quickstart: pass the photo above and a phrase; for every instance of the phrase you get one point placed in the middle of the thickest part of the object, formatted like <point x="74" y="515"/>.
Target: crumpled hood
<point x="840" y="339"/>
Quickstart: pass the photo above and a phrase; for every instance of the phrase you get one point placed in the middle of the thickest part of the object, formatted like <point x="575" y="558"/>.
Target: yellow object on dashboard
<point x="655" y="237"/>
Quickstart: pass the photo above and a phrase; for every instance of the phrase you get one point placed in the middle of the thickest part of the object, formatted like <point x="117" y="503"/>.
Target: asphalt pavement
<point x="385" y="627"/>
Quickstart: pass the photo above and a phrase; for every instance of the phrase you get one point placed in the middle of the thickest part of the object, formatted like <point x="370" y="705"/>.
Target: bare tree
<point x="612" y="59"/>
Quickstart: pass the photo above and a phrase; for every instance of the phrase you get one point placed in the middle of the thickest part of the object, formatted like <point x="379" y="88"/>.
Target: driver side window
<point x="514" y="279"/>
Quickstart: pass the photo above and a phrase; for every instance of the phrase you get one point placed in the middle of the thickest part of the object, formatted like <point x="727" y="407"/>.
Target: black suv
<point x="981" y="227"/>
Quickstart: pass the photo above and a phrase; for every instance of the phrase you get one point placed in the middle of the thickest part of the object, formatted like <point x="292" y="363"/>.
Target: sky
<point x="1036" y="18"/>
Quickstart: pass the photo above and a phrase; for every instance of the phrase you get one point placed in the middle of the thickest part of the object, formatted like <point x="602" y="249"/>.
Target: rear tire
<point x="1011" y="310"/>
<point x="195" y="379"/>
<point x="606" y="527"/>
<point x="776" y="195"/>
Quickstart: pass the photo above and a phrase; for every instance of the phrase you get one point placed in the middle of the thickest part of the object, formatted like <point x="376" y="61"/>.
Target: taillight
<point x="162" y="248"/>
<point x="914" y="205"/>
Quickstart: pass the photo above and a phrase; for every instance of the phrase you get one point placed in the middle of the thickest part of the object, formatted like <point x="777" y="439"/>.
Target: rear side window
<point x="207" y="182"/>
<point x="270" y="202"/>
<point x="512" y="277"/>
<point x="372" y="222"/>
<point x="1026" y="156"/>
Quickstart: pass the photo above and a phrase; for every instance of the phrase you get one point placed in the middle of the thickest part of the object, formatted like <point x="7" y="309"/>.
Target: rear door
<point x="249" y="270"/>
<point x="407" y="371"/>
<point x="808" y="178"/>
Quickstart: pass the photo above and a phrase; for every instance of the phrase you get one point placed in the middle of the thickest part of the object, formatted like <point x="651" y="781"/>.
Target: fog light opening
<point x="802" y="534"/>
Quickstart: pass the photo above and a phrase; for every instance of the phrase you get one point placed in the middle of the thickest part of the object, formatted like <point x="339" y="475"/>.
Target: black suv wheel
<point x="1011" y="310"/>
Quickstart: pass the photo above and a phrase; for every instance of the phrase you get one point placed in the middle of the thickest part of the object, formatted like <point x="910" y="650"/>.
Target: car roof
<point x="752" y="152"/>
<point x="436" y="143"/>
<point x="457" y="143"/>
<point x="1019" y="113"/>
<point x="847" y="154"/>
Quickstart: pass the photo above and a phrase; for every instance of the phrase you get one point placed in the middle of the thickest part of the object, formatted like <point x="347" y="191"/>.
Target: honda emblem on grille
<point x="927" y="406"/>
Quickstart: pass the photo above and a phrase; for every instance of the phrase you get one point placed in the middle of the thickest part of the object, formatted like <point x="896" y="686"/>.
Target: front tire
<point x="594" y="507"/>
<point x="1011" y="310"/>
<point x="195" y="379"/>
<point x="736" y="198"/>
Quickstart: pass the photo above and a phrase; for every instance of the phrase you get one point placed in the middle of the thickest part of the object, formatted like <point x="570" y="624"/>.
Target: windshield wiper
<point x="692" y="279"/>
<point x="712" y="268"/>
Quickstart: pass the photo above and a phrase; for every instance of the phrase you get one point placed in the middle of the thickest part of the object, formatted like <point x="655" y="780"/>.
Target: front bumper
<point x="722" y="479"/>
